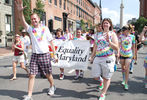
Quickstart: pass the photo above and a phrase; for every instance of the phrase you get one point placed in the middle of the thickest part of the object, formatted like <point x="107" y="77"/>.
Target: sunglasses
<point x="107" y="19"/>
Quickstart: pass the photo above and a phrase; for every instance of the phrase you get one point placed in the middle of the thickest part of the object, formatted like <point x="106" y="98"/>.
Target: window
<point x="7" y="1"/>
<point x="55" y="2"/>
<point x="8" y="19"/>
<point x="64" y="4"/>
<point x="8" y="23"/>
<point x="71" y="8"/>
<point x="50" y="1"/>
<point x="60" y="3"/>
<point x="77" y="11"/>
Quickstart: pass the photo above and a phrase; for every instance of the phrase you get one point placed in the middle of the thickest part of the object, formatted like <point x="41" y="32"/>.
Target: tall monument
<point x="121" y="13"/>
<point x="101" y="10"/>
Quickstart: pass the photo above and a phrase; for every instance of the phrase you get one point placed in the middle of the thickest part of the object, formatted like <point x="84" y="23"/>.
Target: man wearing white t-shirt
<point x="26" y="40"/>
<point x="40" y="59"/>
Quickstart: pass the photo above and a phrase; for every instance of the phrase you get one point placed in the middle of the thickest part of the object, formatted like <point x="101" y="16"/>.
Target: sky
<point x="111" y="9"/>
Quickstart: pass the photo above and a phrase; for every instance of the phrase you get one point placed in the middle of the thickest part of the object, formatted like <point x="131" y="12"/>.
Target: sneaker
<point x="27" y="98"/>
<point x="131" y="71"/>
<point x="51" y="90"/>
<point x="81" y="74"/>
<point x="76" y="77"/>
<point x="61" y="76"/>
<point x="101" y="86"/>
<point x="102" y="97"/>
<point x="123" y="83"/>
<point x="135" y="63"/>
<point x="126" y="87"/>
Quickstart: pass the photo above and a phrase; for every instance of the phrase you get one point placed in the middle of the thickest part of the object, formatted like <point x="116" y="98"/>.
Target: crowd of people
<point x="108" y="48"/>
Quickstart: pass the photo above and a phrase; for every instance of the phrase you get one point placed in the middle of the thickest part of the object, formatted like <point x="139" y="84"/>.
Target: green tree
<point x="139" y="24"/>
<point x="82" y="24"/>
<point x="27" y="11"/>
<point x="39" y="8"/>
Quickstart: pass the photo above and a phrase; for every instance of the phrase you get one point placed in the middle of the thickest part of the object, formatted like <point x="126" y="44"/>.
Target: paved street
<point x="69" y="89"/>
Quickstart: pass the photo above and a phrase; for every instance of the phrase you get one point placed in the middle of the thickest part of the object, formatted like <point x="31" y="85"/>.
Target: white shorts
<point x="103" y="66"/>
<point x="18" y="58"/>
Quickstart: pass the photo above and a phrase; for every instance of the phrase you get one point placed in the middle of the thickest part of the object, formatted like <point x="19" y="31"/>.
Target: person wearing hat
<point x="18" y="49"/>
<point x="127" y="51"/>
<point x="26" y="40"/>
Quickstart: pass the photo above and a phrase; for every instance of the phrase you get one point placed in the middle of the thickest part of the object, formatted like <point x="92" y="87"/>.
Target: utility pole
<point x="121" y="13"/>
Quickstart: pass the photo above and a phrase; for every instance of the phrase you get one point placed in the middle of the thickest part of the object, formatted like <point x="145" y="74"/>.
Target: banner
<point x="72" y="54"/>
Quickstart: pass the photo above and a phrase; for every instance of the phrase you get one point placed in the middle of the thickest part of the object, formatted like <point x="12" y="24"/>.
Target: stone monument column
<point x="121" y="13"/>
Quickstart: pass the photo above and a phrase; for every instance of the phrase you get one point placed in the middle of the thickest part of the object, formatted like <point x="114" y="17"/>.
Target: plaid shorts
<point x="40" y="63"/>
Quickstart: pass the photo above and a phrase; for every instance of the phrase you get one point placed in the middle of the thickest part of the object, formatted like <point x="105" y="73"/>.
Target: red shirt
<point x="18" y="52"/>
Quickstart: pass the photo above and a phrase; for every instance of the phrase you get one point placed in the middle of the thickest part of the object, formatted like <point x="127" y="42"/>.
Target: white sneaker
<point x="51" y="90"/>
<point x="27" y="98"/>
<point x="76" y="77"/>
<point x="81" y="74"/>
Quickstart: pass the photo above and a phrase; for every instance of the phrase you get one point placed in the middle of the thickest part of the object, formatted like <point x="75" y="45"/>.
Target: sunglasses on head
<point x="106" y="19"/>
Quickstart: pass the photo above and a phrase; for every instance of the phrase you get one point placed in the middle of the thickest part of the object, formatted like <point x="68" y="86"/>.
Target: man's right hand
<point x="19" y="5"/>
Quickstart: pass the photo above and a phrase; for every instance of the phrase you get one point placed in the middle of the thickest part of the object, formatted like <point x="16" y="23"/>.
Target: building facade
<point x="6" y="22"/>
<point x="143" y="8"/>
<point x="66" y="14"/>
<point x="97" y="16"/>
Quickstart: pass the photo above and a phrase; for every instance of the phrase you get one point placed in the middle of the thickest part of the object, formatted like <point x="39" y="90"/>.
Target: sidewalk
<point x="5" y="51"/>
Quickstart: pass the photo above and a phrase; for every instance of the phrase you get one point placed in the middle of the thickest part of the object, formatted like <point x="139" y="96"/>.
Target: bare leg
<point x="127" y="64"/>
<point x="50" y="79"/>
<point x="14" y="71"/>
<point x="106" y="85"/>
<point x="77" y="72"/>
<point x="31" y="84"/>
<point x="23" y="67"/>
<point x="122" y="61"/>
<point x="62" y="70"/>
<point x="145" y="71"/>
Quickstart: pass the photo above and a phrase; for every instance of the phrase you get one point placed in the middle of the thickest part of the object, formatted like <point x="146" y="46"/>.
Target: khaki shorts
<point x="103" y="66"/>
<point x="18" y="58"/>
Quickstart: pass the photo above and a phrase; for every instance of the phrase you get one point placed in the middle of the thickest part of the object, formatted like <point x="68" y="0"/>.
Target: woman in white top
<point x="103" y="65"/>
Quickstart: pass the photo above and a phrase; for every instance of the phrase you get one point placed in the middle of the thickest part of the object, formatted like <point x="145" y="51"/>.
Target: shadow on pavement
<point x="62" y="93"/>
<point x="134" y="88"/>
<point x="13" y="93"/>
<point x="18" y="76"/>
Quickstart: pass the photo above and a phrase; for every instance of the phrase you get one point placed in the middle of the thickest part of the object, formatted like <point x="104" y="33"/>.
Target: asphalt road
<point x="70" y="89"/>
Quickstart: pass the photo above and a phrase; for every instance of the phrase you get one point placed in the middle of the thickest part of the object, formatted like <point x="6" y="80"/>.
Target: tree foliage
<point x="39" y="8"/>
<point x="139" y="24"/>
<point x="27" y="11"/>
<point x="83" y="24"/>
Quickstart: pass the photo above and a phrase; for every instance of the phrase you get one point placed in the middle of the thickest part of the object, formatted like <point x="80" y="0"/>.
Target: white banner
<point x="72" y="54"/>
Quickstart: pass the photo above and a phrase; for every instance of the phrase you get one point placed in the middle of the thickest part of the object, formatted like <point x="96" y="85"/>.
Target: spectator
<point x="18" y="48"/>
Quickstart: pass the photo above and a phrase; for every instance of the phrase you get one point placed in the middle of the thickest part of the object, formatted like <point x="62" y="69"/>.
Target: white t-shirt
<point x="68" y="36"/>
<point x="41" y="46"/>
<point x="26" y="41"/>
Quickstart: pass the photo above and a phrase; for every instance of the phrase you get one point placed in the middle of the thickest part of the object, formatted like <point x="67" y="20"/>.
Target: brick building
<point x="143" y="8"/>
<point x="67" y="13"/>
